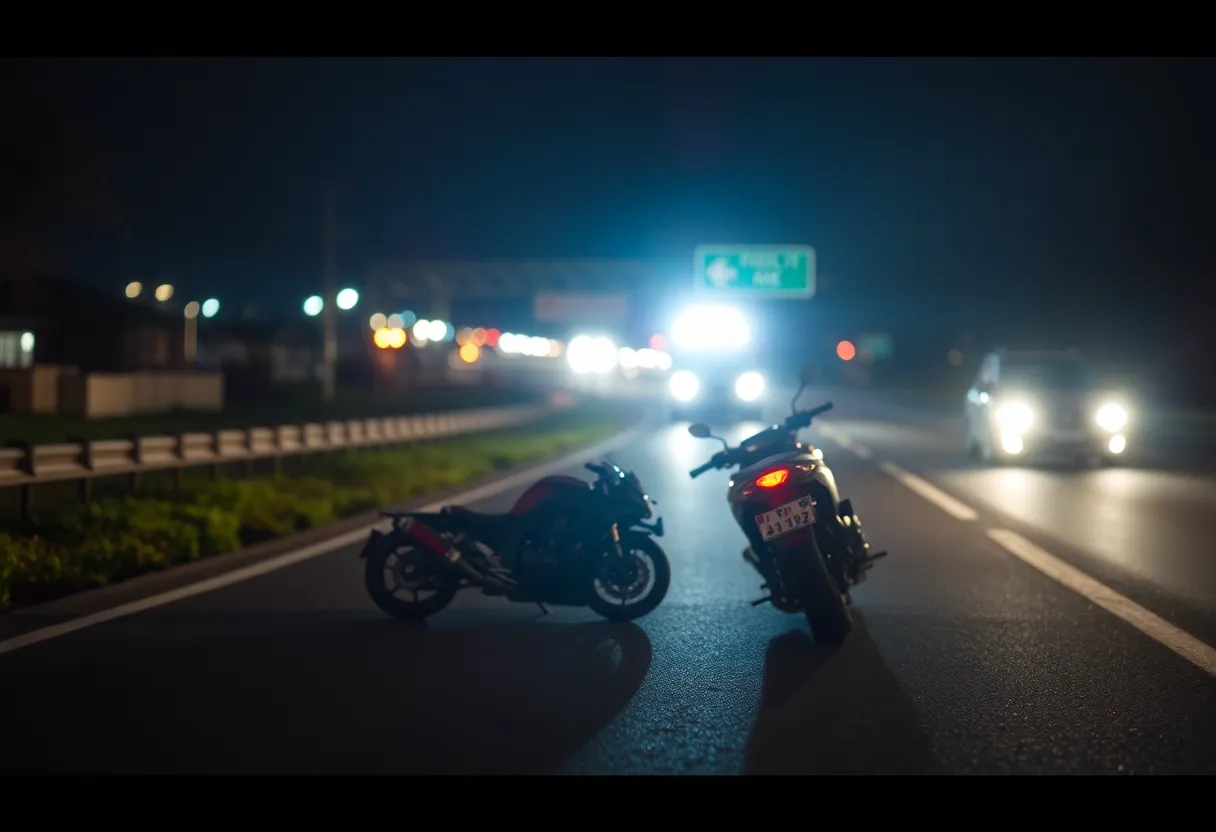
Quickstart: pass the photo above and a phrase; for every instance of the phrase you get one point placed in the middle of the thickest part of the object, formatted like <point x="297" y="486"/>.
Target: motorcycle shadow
<point x="518" y="698"/>
<point x="834" y="710"/>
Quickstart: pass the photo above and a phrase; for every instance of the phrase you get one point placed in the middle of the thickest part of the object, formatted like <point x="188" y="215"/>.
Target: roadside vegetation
<point x="70" y="546"/>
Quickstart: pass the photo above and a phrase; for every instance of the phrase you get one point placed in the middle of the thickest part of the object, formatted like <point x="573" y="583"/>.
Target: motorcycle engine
<point x="539" y="550"/>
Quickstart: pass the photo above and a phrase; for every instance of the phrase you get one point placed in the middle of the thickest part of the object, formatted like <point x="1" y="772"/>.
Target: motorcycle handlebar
<point x="800" y="419"/>
<point x="803" y="418"/>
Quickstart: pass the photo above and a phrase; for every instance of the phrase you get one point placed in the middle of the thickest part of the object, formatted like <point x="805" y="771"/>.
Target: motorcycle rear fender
<point x="823" y="475"/>
<point x="372" y="540"/>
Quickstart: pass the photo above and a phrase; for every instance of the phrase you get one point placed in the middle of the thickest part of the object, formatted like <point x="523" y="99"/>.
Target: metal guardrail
<point x="24" y="465"/>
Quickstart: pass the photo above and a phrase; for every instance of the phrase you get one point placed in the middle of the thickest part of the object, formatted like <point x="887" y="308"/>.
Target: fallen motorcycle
<point x="565" y="542"/>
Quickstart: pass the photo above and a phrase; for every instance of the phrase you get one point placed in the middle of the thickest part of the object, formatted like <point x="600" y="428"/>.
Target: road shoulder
<point x="23" y="621"/>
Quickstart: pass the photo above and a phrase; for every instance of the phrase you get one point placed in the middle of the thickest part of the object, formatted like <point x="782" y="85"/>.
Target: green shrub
<point x="81" y="545"/>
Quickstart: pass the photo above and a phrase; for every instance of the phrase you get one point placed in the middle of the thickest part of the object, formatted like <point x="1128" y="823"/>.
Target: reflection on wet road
<point x="965" y="659"/>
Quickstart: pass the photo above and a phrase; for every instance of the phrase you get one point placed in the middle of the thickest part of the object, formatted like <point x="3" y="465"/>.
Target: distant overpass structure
<point x="561" y="290"/>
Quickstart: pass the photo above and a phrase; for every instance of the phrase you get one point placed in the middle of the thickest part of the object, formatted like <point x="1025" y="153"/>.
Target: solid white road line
<point x="939" y="498"/>
<point x="860" y="450"/>
<point x="300" y="555"/>
<point x="1199" y="653"/>
<point x="845" y="442"/>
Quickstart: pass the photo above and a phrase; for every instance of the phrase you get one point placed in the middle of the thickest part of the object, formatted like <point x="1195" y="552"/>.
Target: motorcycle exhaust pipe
<point x="438" y="545"/>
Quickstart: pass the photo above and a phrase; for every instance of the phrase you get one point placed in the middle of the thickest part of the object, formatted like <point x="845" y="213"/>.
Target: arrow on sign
<point x="720" y="273"/>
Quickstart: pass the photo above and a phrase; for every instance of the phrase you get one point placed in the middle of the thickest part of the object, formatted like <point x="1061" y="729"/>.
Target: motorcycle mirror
<point x="700" y="431"/>
<point x="807" y="375"/>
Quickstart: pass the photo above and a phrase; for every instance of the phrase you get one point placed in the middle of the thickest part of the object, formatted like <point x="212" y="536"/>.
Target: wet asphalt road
<point x="964" y="659"/>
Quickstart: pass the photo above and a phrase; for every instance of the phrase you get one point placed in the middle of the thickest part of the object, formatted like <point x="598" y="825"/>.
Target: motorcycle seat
<point x="477" y="519"/>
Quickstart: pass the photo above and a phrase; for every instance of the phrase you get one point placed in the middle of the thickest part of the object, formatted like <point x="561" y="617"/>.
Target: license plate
<point x="785" y="519"/>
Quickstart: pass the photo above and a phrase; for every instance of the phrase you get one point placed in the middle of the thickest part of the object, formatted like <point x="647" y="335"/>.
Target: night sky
<point x="1033" y="188"/>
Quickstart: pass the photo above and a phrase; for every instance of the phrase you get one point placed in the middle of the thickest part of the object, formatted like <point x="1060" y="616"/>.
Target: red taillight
<point x="773" y="478"/>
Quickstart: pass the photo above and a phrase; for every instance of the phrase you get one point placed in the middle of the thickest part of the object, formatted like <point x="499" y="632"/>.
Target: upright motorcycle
<point x="565" y="542"/>
<point x="806" y="542"/>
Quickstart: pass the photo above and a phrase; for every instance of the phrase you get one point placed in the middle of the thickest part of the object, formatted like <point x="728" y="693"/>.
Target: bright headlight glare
<point x="1111" y="417"/>
<point x="683" y="386"/>
<point x="711" y="327"/>
<point x="749" y="386"/>
<point x="1015" y="417"/>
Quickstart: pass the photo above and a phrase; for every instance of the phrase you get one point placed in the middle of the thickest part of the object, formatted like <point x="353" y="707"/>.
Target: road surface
<point x="970" y="655"/>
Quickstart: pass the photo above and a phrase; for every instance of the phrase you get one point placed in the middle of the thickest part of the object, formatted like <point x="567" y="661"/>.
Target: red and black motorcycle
<point x="566" y="542"/>
<point x="806" y="542"/>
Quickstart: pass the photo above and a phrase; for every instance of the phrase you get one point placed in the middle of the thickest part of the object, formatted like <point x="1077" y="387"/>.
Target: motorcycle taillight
<point x="773" y="478"/>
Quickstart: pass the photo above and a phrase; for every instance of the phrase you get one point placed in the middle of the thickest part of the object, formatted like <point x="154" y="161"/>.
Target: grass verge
<point x="72" y="547"/>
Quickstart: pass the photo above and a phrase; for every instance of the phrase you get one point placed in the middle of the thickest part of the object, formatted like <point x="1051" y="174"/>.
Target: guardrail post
<point x="137" y="456"/>
<point x="249" y="448"/>
<point x="216" y="447"/>
<point x="84" y="486"/>
<point x="179" y="451"/>
<point x="276" y="461"/>
<point x="29" y="465"/>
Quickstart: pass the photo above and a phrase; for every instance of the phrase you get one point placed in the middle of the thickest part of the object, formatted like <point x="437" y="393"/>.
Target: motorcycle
<point x="806" y="542"/>
<point x="565" y="542"/>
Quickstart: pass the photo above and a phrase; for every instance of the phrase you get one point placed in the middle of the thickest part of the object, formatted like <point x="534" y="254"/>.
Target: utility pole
<point x="329" y="284"/>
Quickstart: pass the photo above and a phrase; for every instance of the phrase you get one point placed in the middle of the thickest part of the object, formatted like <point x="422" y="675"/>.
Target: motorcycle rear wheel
<point x="649" y="555"/>
<point x="824" y="604"/>
<point x="400" y="562"/>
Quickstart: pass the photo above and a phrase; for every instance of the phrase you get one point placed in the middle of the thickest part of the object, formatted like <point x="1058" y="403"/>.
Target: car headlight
<point x="1111" y="417"/>
<point x="1015" y="417"/>
<point x="683" y="386"/>
<point x="749" y="386"/>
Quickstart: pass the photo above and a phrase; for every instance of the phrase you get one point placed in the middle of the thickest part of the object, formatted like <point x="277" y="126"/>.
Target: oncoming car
<point x="716" y="389"/>
<point x="714" y="365"/>
<point x="1029" y="404"/>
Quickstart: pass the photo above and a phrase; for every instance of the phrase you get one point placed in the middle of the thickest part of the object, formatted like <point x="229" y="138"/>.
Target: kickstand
<point x="544" y="610"/>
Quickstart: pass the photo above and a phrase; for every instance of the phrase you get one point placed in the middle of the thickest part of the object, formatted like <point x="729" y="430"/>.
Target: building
<point x="69" y="348"/>
<point x="54" y="320"/>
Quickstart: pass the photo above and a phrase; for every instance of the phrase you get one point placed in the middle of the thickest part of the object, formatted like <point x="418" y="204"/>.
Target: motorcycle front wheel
<point x="403" y="581"/>
<point x="825" y="607"/>
<point x="628" y="591"/>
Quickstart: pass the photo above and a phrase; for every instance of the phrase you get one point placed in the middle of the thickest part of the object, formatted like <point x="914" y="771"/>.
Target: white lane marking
<point x="845" y="442"/>
<point x="1198" y="653"/>
<point x="300" y="555"/>
<point x="861" y="450"/>
<point x="833" y="434"/>
<point x="939" y="498"/>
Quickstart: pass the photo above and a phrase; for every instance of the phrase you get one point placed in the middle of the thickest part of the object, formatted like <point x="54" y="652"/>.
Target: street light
<point x="313" y="306"/>
<point x="163" y="292"/>
<point x="347" y="299"/>
<point x="210" y="307"/>
<point x="134" y="288"/>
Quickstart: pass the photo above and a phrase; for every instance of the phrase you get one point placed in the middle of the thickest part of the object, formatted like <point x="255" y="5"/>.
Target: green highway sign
<point x="783" y="271"/>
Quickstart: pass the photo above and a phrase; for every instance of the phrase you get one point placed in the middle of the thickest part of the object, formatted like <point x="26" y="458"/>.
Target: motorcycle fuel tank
<point x="546" y="489"/>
